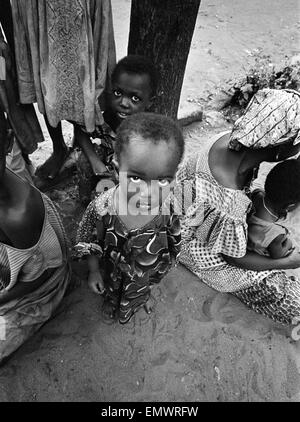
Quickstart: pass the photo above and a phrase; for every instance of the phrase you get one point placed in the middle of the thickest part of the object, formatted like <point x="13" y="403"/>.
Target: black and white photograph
<point x="149" y="204"/>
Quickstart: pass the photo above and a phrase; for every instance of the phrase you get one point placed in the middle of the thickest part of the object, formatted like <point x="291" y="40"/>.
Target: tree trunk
<point x="162" y="30"/>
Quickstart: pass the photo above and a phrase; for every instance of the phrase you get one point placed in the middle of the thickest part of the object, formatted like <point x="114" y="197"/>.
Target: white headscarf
<point x="271" y="118"/>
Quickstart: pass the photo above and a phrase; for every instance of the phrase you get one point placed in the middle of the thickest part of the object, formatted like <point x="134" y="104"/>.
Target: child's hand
<point x="95" y="282"/>
<point x="287" y="246"/>
<point x="281" y="247"/>
<point x="292" y="261"/>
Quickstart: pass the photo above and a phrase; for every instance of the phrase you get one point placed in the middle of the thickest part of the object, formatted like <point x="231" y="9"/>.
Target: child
<point x="137" y="235"/>
<point x="65" y="52"/>
<point x="134" y="84"/>
<point x="34" y="268"/>
<point x="266" y="236"/>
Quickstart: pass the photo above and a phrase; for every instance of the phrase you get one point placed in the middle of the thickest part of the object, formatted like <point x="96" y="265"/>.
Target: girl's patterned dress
<point x="131" y="260"/>
<point x="214" y="223"/>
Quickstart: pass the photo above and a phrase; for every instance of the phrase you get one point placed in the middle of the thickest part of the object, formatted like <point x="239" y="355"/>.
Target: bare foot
<point x="150" y="305"/>
<point x="53" y="165"/>
<point x="109" y="311"/>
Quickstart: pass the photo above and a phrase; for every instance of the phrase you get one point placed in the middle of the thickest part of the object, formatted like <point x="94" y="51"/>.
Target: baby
<point x="266" y="235"/>
<point x="130" y="233"/>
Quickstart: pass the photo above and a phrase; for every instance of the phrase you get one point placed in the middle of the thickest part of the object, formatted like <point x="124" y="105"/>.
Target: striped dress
<point x="21" y="317"/>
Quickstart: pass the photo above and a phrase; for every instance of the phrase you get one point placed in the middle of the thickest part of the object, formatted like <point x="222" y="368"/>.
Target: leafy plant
<point x="262" y="75"/>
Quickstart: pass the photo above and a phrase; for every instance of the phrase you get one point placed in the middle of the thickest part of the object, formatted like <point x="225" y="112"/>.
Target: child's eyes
<point x="135" y="99"/>
<point x="163" y="183"/>
<point x="117" y="93"/>
<point x="135" y="179"/>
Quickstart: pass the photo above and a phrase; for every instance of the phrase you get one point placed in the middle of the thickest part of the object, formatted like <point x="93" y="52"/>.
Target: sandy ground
<point x="198" y="345"/>
<point x="228" y="35"/>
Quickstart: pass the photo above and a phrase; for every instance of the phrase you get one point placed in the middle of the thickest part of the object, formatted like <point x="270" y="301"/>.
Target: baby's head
<point x="134" y="85"/>
<point x="282" y="186"/>
<point x="149" y="148"/>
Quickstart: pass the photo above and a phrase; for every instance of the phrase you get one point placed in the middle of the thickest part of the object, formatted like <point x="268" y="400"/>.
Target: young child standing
<point x="134" y="85"/>
<point x="130" y="234"/>
<point x="266" y="235"/>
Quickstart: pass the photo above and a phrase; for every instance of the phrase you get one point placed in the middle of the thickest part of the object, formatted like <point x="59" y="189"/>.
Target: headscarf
<point x="271" y="118"/>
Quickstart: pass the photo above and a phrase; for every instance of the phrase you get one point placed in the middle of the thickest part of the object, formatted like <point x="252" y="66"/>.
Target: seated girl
<point x="215" y="183"/>
<point x="34" y="270"/>
<point x="266" y="233"/>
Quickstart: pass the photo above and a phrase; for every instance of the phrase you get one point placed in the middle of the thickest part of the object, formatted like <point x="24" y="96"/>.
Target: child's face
<point x="131" y="93"/>
<point x="146" y="173"/>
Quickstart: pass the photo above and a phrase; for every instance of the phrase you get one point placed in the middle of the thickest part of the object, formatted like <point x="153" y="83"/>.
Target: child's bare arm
<point x="256" y="262"/>
<point x="95" y="280"/>
<point x="280" y="247"/>
<point x="86" y="145"/>
<point x="87" y="245"/>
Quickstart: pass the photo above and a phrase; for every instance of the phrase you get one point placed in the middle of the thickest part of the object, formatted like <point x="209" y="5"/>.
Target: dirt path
<point x="199" y="345"/>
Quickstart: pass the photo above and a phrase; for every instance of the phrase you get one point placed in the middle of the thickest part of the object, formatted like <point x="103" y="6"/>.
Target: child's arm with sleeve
<point x="87" y="245"/>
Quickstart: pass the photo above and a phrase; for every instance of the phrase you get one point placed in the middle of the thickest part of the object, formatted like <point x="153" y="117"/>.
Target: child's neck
<point x="269" y="210"/>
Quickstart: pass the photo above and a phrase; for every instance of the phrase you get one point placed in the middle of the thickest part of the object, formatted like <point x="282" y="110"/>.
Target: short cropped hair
<point x="282" y="185"/>
<point x="151" y="127"/>
<point x="139" y="65"/>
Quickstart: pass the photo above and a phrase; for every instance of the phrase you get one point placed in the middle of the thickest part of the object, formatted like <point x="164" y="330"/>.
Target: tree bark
<point x="162" y="30"/>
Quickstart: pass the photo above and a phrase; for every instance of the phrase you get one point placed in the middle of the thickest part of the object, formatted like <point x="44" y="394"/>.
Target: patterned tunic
<point x="214" y="223"/>
<point x="131" y="260"/>
<point x="65" y="53"/>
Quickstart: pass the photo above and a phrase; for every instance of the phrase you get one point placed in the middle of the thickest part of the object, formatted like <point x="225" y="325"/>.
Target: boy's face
<point x="146" y="173"/>
<point x="131" y="93"/>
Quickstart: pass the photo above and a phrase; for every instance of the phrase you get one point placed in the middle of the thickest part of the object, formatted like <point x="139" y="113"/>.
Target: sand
<point x="198" y="345"/>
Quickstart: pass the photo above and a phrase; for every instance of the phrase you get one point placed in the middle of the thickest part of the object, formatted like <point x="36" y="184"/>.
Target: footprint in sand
<point x="224" y="308"/>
